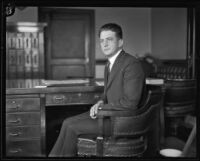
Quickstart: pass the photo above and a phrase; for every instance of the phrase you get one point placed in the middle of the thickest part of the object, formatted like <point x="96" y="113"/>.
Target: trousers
<point x="71" y="129"/>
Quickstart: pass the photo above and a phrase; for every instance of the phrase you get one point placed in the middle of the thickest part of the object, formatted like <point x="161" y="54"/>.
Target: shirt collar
<point x="113" y="58"/>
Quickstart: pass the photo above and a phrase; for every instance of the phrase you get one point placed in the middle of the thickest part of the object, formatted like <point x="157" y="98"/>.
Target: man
<point x="124" y="79"/>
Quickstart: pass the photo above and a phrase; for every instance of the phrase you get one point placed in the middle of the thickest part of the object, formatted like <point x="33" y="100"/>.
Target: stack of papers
<point x="155" y="81"/>
<point x="100" y="83"/>
<point x="54" y="83"/>
<point x="40" y="86"/>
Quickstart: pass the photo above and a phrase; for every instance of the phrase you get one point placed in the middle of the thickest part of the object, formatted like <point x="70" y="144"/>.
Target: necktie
<point x="108" y="68"/>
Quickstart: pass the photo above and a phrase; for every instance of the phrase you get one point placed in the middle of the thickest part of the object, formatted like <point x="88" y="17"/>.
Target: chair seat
<point x="116" y="148"/>
<point x="178" y="110"/>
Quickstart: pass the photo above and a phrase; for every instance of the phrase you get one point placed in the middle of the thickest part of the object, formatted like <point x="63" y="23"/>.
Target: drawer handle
<point x="13" y="102"/>
<point x="15" y="134"/>
<point x="15" y="121"/>
<point x="59" y="98"/>
<point x="15" y="151"/>
<point x="16" y="107"/>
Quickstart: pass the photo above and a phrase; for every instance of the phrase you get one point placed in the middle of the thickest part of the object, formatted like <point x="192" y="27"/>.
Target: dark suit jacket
<point x="123" y="88"/>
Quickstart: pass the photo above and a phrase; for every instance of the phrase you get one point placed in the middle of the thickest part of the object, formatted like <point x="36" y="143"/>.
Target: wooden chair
<point x="179" y="101"/>
<point x="132" y="131"/>
<point x="180" y="97"/>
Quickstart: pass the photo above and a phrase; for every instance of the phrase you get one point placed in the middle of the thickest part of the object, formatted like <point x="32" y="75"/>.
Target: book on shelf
<point x="20" y="63"/>
<point x="36" y="82"/>
<point x="20" y="83"/>
<point x="27" y="40"/>
<point x="12" y="83"/>
<point x="12" y="64"/>
<point x="28" y="83"/>
<point x="28" y="63"/>
<point x="35" y="64"/>
<point x="11" y="40"/>
<point x="34" y="40"/>
<point x="19" y="40"/>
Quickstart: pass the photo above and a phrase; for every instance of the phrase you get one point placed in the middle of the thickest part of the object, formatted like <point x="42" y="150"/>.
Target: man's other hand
<point x="94" y="109"/>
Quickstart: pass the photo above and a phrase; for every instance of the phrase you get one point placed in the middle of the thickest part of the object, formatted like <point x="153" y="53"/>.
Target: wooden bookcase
<point x="24" y="54"/>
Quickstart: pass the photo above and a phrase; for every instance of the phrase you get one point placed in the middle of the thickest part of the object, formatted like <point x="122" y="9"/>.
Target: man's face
<point x="110" y="43"/>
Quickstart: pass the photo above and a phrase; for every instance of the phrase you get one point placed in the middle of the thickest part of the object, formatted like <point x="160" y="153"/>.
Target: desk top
<point x="54" y="90"/>
<point x="94" y="86"/>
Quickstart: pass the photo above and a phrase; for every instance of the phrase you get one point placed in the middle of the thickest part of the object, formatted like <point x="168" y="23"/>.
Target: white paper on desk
<point x="155" y="81"/>
<point x="40" y="86"/>
<point x="100" y="83"/>
<point x="70" y="81"/>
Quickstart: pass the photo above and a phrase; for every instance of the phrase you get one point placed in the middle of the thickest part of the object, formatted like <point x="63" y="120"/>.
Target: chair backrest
<point x="141" y="119"/>
<point x="180" y="92"/>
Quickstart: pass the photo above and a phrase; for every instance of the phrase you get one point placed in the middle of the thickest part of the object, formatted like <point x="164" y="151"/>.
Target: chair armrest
<point x="115" y="113"/>
<point x="122" y="113"/>
<point x="118" y="113"/>
<point x="102" y="113"/>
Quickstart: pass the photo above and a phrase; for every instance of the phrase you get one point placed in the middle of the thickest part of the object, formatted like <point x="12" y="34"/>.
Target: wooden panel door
<point x="69" y="43"/>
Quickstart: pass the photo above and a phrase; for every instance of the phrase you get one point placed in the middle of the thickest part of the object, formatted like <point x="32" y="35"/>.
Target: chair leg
<point x="189" y="140"/>
<point x="99" y="146"/>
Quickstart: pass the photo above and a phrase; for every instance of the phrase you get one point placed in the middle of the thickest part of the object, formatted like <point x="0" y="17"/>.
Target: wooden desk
<point x="26" y="119"/>
<point x="26" y="116"/>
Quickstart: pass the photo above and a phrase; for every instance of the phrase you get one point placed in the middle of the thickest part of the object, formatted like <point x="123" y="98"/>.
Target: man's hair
<point x="112" y="27"/>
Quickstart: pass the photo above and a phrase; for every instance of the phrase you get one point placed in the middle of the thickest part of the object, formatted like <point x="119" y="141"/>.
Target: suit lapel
<point x="106" y="75"/>
<point x="116" y="67"/>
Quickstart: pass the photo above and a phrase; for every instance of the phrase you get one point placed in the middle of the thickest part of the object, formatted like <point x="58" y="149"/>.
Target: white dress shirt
<point x="113" y="58"/>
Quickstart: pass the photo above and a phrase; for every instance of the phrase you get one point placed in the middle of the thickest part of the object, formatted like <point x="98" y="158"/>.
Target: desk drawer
<point x="22" y="104"/>
<point x="23" y="148"/>
<point x="72" y="98"/>
<point x="16" y="119"/>
<point x="22" y="132"/>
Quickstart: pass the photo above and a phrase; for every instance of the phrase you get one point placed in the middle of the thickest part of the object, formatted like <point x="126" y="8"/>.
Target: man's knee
<point x="66" y="122"/>
<point x="69" y="122"/>
<point x="74" y="119"/>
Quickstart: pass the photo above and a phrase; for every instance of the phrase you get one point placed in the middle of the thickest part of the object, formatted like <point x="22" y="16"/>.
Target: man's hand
<point x="94" y="109"/>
